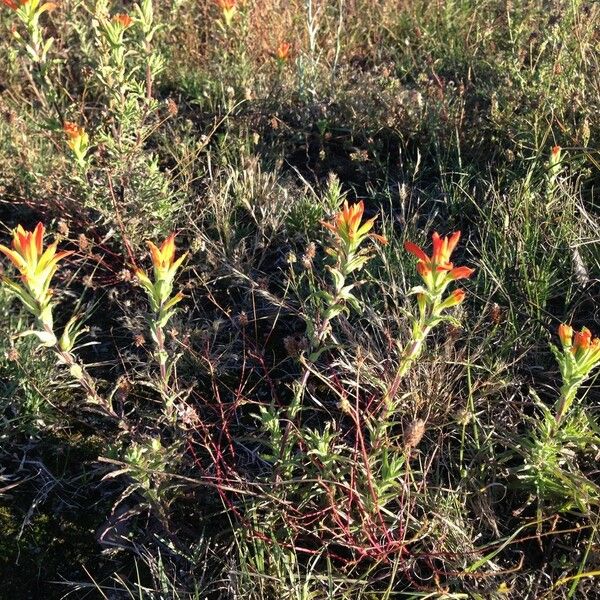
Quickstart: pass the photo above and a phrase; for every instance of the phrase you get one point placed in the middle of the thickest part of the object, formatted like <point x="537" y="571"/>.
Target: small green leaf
<point x="47" y="339"/>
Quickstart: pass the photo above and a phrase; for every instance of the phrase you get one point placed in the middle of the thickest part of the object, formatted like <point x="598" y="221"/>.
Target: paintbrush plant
<point x="437" y="273"/>
<point x="349" y="255"/>
<point x="578" y="356"/>
<point x="78" y="141"/>
<point x="37" y="267"/>
<point x="559" y="438"/>
<point x="162" y="302"/>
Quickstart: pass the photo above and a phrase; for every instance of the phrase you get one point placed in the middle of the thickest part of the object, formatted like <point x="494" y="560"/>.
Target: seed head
<point x="413" y="434"/>
<point x="309" y="255"/>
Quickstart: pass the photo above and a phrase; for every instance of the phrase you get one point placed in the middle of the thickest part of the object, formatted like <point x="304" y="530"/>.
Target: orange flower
<point x="348" y="226"/>
<point x="583" y="347"/>
<point x="163" y="258"/>
<point x="283" y="51"/>
<point x="440" y="258"/>
<point x="14" y="4"/>
<point x="35" y="265"/>
<point x="456" y="297"/>
<point x="442" y="249"/>
<point x="229" y="8"/>
<point x="78" y="140"/>
<point x="165" y="267"/>
<point x="582" y="340"/>
<point x="461" y="273"/>
<point x="27" y="246"/>
<point x="124" y="20"/>
<point x="73" y="130"/>
<point x="565" y="333"/>
<point x="580" y="355"/>
<point x="580" y="343"/>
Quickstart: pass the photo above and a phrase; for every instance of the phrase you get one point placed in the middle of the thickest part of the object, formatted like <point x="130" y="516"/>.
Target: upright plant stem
<point x="567" y="395"/>
<point x="410" y="353"/>
<point x="80" y="373"/>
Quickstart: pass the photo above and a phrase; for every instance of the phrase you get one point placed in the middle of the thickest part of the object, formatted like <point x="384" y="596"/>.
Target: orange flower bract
<point x="456" y="297"/>
<point x="163" y="258"/>
<point x="14" y="4"/>
<point x="229" y="8"/>
<point x="124" y="20"/>
<point x="439" y="261"/>
<point x="460" y="273"/>
<point x="35" y="265"/>
<point x="73" y="130"/>
<point x="442" y="250"/>
<point x="77" y="139"/>
<point x="165" y="267"/>
<point x="565" y="333"/>
<point x="580" y="343"/>
<point x="348" y="225"/>
<point x="582" y="340"/>
<point x="283" y="51"/>
<point x="580" y="355"/>
<point x="438" y="271"/>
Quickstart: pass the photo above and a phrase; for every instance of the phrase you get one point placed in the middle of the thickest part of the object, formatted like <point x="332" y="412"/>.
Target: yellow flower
<point x="165" y="266"/>
<point x="348" y="225"/>
<point x="36" y="265"/>
<point x="229" y="8"/>
<point x="163" y="258"/>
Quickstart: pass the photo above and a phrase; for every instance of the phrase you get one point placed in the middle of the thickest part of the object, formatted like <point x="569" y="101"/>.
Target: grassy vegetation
<point x="280" y="414"/>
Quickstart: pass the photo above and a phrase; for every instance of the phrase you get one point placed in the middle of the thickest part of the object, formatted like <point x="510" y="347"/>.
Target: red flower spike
<point x="440" y="258"/>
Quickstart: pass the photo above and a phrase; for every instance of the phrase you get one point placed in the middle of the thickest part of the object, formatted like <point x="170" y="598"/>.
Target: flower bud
<point x="565" y="333"/>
